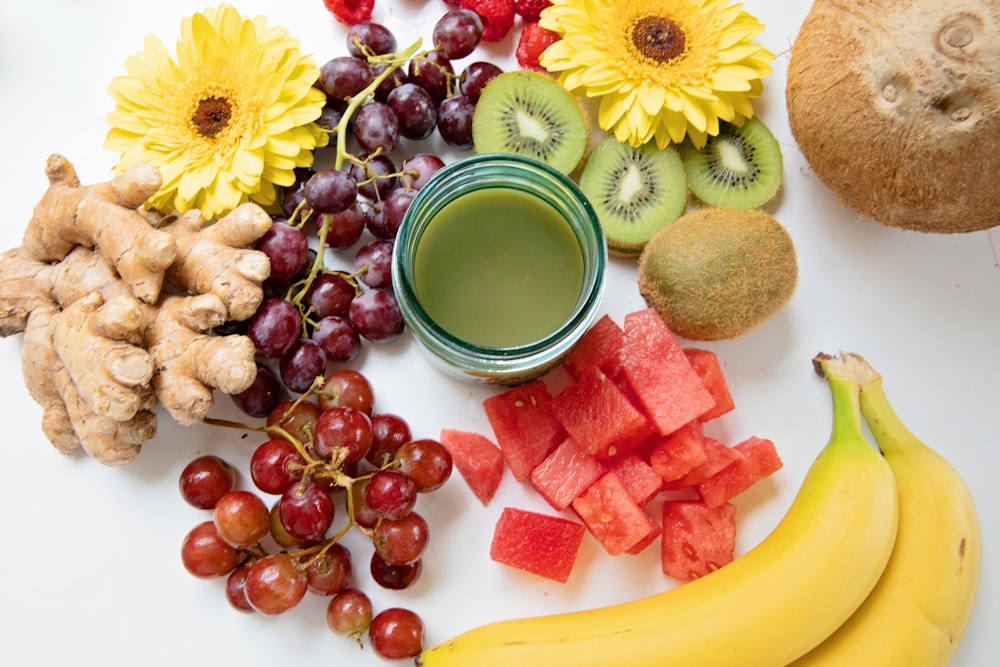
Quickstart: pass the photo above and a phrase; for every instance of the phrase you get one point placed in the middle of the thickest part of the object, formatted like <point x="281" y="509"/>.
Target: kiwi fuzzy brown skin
<point x="717" y="273"/>
<point x="896" y="107"/>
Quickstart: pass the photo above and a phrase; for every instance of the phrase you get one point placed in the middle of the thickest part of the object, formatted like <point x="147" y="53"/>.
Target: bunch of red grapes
<point x="381" y="103"/>
<point x="327" y="454"/>
<point x="329" y="464"/>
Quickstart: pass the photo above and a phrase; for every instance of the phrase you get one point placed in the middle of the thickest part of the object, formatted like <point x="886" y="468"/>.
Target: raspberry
<point x="497" y="15"/>
<point x="534" y="39"/>
<point x="530" y="10"/>
<point x="350" y="12"/>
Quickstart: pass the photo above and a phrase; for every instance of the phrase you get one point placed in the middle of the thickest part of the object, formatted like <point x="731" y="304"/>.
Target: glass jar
<point x="535" y="231"/>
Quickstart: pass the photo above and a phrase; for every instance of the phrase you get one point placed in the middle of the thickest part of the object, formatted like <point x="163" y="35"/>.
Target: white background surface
<point x="89" y="565"/>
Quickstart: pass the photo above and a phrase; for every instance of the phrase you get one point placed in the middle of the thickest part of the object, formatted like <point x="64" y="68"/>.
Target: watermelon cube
<point x="602" y="419"/>
<point x="706" y="365"/>
<point x="524" y="426"/>
<point x="717" y="456"/>
<point x="677" y="454"/>
<point x="600" y="346"/>
<point x="477" y="459"/>
<point x="613" y="516"/>
<point x="659" y="373"/>
<point x="697" y="539"/>
<point x="565" y="474"/>
<point x="639" y="478"/>
<point x="536" y="543"/>
<point x="758" y="459"/>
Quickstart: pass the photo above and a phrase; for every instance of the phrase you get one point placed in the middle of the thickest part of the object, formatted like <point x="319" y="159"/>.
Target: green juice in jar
<point x="498" y="267"/>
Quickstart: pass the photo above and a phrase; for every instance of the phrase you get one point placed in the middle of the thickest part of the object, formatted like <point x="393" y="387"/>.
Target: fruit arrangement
<point x="274" y="289"/>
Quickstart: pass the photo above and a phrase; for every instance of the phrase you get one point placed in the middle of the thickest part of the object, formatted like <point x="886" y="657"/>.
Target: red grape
<point x="280" y="534"/>
<point x="376" y="128"/>
<point x="391" y="493"/>
<point x="426" y="462"/>
<point x="206" y="479"/>
<point x="275" y="584"/>
<point x="330" y="191"/>
<point x="344" y="76"/>
<point x="236" y="592"/>
<point x="401" y="541"/>
<point x="394" y="577"/>
<point x="349" y="613"/>
<point x="377" y="316"/>
<point x="370" y="38"/>
<point x="415" y="111"/>
<point x="340" y="341"/>
<point x="455" y="121"/>
<point x="373" y="262"/>
<point x="396" y="633"/>
<point x="263" y="394"/>
<point x="390" y="217"/>
<point x="306" y="510"/>
<point x="343" y="431"/>
<point x="274" y="327"/>
<point x="298" y="418"/>
<point x="330" y="294"/>
<point x="349" y="388"/>
<point x="418" y="169"/>
<point x="302" y="364"/>
<point x="205" y="554"/>
<point x="287" y="248"/>
<point x="241" y="518"/>
<point x="432" y="72"/>
<point x="389" y="433"/>
<point x="376" y="177"/>
<point x="475" y="76"/>
<point x="276" y="465"/>
<point x="329" y="572"/>
<point x="457" y="33"/>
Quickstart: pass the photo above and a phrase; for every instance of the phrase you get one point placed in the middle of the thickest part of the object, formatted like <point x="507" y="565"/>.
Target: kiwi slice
<point x="716" y="273"/>
<point x="533" y="115"/>
<point x="739" y="167"/>
<point x="635" y="191"/>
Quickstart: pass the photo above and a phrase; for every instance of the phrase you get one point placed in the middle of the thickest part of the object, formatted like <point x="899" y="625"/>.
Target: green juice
<point x="499" y="268"/>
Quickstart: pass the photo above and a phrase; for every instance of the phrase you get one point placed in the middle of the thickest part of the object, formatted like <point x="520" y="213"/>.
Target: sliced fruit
<point x="524" y="426"/>
<point x="758" y="459"/>
<point x="614" y="518"/>
<point x="635" y="191"/>
<point x="741" y="167"/>
<point x="638" y="477"/>
<point x="696" y="539"/>
<point x="706" y="365"/>
<point x="565" y="473"/>
<point x="477" y="459"/>
<point x="600" y="346"/>
<point x="530" y="114"/>
<point x="680" y="452"/>
<point x="538" y="543"/>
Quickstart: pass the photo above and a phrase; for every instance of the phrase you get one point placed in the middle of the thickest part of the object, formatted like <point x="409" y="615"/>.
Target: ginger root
<point x="117" y="308"/>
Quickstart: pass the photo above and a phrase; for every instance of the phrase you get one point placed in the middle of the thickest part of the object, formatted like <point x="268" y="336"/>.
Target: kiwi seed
<point x="716" y="273"/>
<point x="533" y="115"/>
<point x="740" y="167"/>
<point x="635" y="191"/>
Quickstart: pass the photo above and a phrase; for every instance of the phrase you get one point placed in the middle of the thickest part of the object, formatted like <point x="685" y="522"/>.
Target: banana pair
<point x="875" y="564"/>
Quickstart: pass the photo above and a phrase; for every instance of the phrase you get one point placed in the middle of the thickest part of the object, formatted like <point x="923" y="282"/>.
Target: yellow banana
<point x="918" y="612"/>
<point x="764" y="609"/>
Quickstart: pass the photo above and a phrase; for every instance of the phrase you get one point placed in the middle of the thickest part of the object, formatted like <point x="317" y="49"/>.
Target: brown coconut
<point x="895" y="104"/>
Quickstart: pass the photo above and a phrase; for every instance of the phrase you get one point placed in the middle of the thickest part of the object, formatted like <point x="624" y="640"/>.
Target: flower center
<point x="212" y="116"/>
<point x="658" y="38"/>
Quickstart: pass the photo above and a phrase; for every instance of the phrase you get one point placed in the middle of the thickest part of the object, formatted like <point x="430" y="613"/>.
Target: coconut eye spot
<point x="959" y="36"/>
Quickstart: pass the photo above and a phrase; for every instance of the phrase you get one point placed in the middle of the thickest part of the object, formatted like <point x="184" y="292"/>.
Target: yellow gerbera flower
<point x="662" y="69"/>
<point x="226" y="122"/>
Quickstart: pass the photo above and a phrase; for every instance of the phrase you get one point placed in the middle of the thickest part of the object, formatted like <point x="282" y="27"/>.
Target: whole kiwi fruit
<point x="716" y="273"/>
<point x="896" y="107"/>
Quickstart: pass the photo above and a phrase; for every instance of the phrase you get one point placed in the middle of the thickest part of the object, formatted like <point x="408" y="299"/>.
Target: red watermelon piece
<point x="524" y="426"/>
<point x="565" y="474"/>
<point x="600" y="346"/>
<point x="758" y="459"/>
<point x="602" y="419"/>
<point x="697" y="539"/>
<point x="718" y="455"/>
<point x="477" y="459"/>
<point x="706" y="364"/>
<point x="537" y="543"/>
<point x="639" y="478"/>
<point x="677" y="454"/>
<point x="659" y="373"/>
<point x="614" y="518"/>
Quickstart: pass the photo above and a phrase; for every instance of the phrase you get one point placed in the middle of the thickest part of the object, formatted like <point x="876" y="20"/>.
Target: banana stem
<point x="845" y="392"/>
<point x="891" y="434"/>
